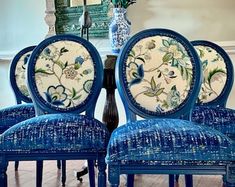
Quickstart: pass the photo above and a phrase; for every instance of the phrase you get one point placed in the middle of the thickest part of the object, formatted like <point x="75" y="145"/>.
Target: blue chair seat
<point x="218" y="117"/>
<point x="167" y="139"/>
<point x="56" y="132"/>
<point x="10" y="116"/>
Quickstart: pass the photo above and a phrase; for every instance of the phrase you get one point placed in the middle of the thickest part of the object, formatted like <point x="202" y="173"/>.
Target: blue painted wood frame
<point x="20" y="97"/>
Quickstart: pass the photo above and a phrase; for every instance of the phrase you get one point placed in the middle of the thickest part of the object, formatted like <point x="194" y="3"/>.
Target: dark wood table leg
<point x="110" y="113"/>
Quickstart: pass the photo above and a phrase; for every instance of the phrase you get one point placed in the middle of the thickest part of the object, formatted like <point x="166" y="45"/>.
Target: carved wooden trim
<point x="50" y="17"/>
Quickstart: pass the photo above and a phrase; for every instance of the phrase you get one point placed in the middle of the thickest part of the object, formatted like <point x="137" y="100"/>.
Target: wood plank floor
<point x="25" y="177"/>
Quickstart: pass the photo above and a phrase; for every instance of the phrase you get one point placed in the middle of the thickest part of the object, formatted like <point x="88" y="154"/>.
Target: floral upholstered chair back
<point x="217" y="73"/>
<point x="64" y="74"/>
<point x="18" y="75"/>
<point x="156" y="74"/>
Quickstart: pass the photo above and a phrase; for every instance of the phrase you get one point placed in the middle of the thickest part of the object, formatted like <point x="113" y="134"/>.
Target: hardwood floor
<point x="25" y="177"/>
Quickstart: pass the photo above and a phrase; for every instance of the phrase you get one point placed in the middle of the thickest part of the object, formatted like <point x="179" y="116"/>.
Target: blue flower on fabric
<point x="79" y="60"/>
<point x="87" y="86"/>
<point x="56" y="95"/>
<point x="173" y="97"/>
<point x="135" y="73"/>
<point x="159" y="109"/>
<point x="49" y="53"/>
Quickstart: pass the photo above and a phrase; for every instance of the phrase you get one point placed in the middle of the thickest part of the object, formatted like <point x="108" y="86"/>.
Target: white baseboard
<point x="228" y="46"/>
<point x="7" y="55"/>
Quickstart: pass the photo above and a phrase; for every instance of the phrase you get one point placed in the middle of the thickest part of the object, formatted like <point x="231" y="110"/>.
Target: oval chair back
<point x="218" y="74"/>
<point x="17" y="75"/>
<point x="65" y="75"/>
<point x="158" y="75"/>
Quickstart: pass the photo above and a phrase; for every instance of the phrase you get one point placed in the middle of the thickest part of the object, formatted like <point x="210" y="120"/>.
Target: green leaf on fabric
<point x="165" y="43"/>
<point x="167" y="57"/>
<point x="40" y="70"/>
<point x="153" y="84"/>
<point x="74" y="93"/>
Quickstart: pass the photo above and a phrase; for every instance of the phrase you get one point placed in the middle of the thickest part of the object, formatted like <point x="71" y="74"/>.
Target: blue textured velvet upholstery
<point x="56" y="132"/>
<point x="167" y="139"/>
<point x="217" y="117"/>
<point x="10" y="116"/>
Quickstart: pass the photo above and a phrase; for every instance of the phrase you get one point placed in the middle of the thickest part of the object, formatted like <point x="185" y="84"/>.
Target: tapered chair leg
<point x="63" y="173"/>
<point x="177" y="178"/>
<point x="171" y="180"/>
<point x="3" y="170"/>
<point x="58" y="164"/>
<point x="130" y="180"/>
<point x="226" y="183"/>
<point x="101" y="172"/>
<point x="16" y="165"/>
<point x="188" y="180"/>
<point x="91" y="172"/>
<point x="113" y="176"/>
<point x="39" y="172"/>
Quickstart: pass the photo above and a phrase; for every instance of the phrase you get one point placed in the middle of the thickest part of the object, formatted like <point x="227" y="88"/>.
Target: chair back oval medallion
<point x="217" y="73"/>
<point x="154" y="65"/>
<point x="64" y="72"/>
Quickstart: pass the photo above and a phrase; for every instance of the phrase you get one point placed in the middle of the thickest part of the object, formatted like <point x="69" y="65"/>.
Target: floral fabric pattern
<point x="214" y="74"/>
<point x="153" y="67"/>
<point x="64" y="74"/>
<point x="20" y="74"/>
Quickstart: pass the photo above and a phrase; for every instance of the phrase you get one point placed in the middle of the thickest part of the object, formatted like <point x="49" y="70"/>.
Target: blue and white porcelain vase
<point x="119" y="29"/>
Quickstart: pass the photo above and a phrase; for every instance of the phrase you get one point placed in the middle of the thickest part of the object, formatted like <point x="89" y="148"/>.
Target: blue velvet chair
<point x="64" y="77"/>
<point x="9" y="116"/>
<point x="24" y="109"/>
<point x="217" y="84"/>
<point x="218" y="76"/>
<point x="158" y="76"/>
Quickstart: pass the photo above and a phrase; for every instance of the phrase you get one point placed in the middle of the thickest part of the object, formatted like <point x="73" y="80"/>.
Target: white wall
<point x="21" y="24"/>
<point x="196" y="19"/>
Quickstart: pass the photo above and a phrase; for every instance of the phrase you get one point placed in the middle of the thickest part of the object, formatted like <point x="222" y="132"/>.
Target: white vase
<point x="119" y="29"/>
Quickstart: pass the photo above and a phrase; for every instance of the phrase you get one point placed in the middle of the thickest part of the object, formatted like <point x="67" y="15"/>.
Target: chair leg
<point x="3" y="170"/>
<point x="188" y="180"/>
<point x="91" y="172"/>
<point x="113" y="175"/>
<point x="171" y="180"/>
<point x="177" y="178"/>
<point x="16" y="165"/>
<point x="63" y="173"/>
<point x="39" y="172"/>
<point x="226" y="183"/>
<point x="58" y="164"/>
<point x="130" y="180"/>
<point x="101" y="172"/>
